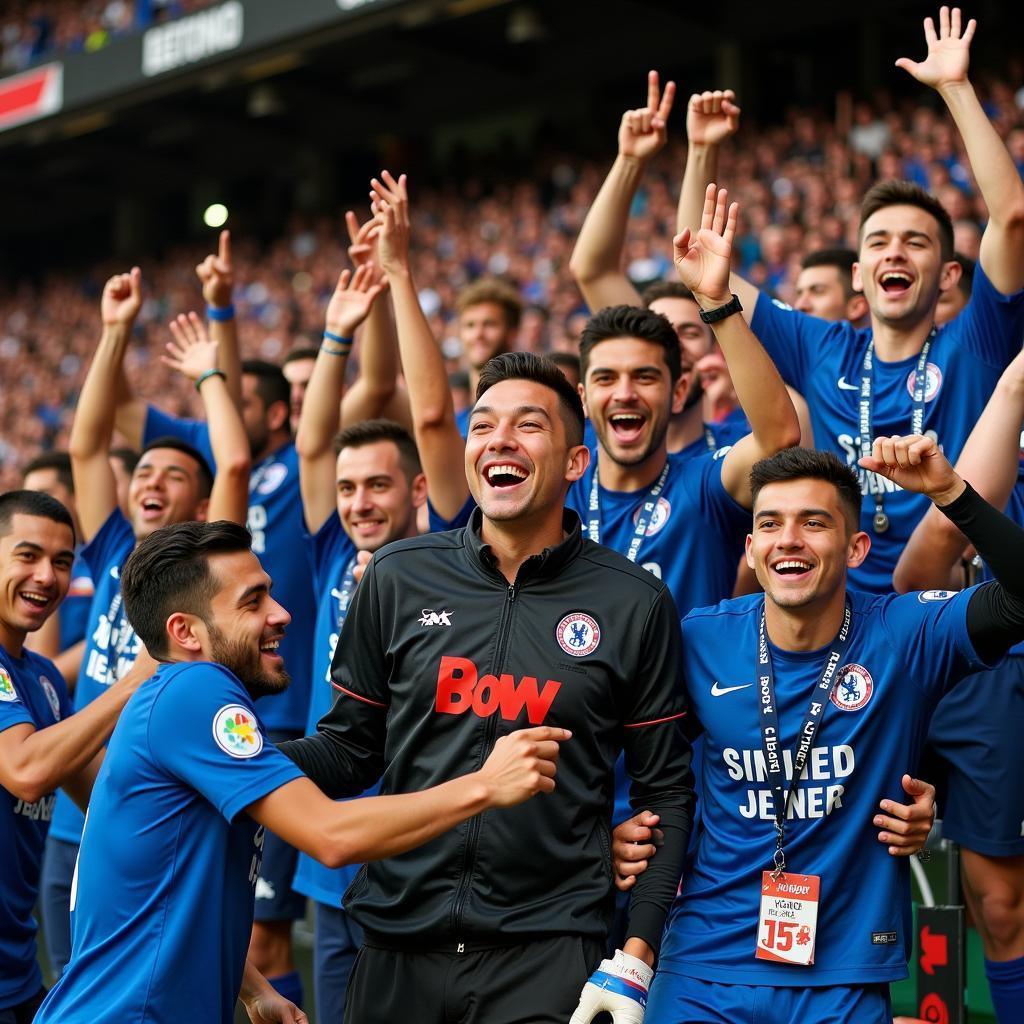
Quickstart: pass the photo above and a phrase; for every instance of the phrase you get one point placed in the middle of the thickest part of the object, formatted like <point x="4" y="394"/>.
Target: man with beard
<point x="171" y="483"/>
<point x="171" y="851"/>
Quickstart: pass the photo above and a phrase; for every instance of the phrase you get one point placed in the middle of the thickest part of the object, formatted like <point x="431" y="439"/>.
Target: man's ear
<point x="950" y="275"/>
<point x="202" y="510"/>
<point x="579" y="459"/>
<point x="748" y="553"/>
<point x="278" y="416"/>
<point x="856" y="308"/>
<point x="185" y="633"/>
<point x="583" y="398"/>
<point x="418" y="490"/>
<point x="857" y="549"/>
<point x="679" y="390"/>
<point x="858" y="284"/>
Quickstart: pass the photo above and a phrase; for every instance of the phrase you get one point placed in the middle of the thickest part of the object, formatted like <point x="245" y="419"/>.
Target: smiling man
<point x="42" y="745"/>
<point x="453" y="640"/>
<point x="171" y="852"/>
<point x="814" y="700"/>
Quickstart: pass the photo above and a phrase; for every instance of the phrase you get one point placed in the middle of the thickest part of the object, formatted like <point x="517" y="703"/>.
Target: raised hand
<point x="361" y="238"/>
<point x="948" y="51"/>
<point x="916" y="463"/>
<point x="355" y="294"/>
<point x="642" y="132"/>
<point x="522" y="764"/>
<point x="191" y="352"/>
<point x="122" y="299"/>
<point x="390" y="203"/>
<point x="711" y="117"/>
<point x="704" y="262"/>
<point x="217" y="274"/>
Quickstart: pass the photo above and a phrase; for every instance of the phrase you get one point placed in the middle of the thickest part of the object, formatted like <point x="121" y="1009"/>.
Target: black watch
<point x="712" y="316"/>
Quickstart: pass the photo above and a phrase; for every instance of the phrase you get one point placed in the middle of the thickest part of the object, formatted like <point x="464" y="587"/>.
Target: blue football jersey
<point x="276" y="524"/>
<point x="695" y="537"/>
<point x="903" y="653"/>
<point x="74" y="609"/>
<point x="333" y="555"/>
<point x="111" y="645"/>
<point x="824" y="362"/>
<point x="32" y="691"/>
<point x="163" y="894"/>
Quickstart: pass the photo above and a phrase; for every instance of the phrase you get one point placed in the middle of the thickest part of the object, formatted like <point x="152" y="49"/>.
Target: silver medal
<point x="881" y="522"/>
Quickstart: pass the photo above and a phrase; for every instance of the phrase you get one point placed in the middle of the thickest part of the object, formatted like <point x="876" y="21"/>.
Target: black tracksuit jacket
<point x="438" y="657"/>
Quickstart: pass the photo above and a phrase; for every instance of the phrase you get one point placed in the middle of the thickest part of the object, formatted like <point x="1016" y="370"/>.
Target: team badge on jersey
<point x="935" y="595"/>
<point x="853" y="688"/>
<point x="659" y="517"/>
<point x="51" y="696"/>
<point x="236" y="731"/>
<point x="268" y="480"/>
<point x="932" y="379"/>
<point x="578" y="634"/>
<point x="7" y="690"/>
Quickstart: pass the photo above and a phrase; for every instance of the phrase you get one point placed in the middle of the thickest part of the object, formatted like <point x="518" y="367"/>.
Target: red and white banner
<point x="31" y="95"/>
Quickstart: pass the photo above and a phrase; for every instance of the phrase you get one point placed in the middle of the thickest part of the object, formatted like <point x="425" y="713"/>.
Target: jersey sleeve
<point x="795" y="341"/>
<point x="657" y="757"/>
<point x="13" y="709"/>
<point x="930" y="627"/>
<point x="346" y="754"/>
<point x="991" y="325"/>
<point x="718" y="507"/>
<point x="194" y="432"/>
<point x="112" y="543"/>
<point x="438" y="524"/>
<point x="204" y="731"/>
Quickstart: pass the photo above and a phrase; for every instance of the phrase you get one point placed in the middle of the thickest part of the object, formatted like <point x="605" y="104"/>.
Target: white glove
<point x="619" y="987"/>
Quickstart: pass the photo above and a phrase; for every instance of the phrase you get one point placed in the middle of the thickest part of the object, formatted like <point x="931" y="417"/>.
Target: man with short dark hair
<point x="824" y="287"/>
<point x="814" y="699"/>
<point x="171" y="483"/>
<point x="171" y="851"/>
<point x="42" y="745"/>
<point x="450" y="641"/>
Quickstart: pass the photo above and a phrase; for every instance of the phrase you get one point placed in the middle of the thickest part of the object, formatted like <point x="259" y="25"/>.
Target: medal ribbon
<point x="881" y="522"/>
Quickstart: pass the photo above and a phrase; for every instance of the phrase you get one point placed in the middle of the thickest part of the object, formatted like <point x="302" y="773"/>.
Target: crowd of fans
<point x="31" y="31"/>
<point x="799" y="184"/>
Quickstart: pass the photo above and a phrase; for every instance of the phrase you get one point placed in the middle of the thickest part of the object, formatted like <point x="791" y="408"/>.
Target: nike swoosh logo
<point x="720" y="691"/>
<point x="843" y="386"/>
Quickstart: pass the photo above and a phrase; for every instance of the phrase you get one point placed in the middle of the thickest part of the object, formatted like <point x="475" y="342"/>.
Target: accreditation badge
<point x="788" y="922"/>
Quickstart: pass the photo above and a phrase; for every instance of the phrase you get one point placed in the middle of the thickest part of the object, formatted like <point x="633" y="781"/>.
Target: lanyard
<point x="709" y="439"/>
<point x="344" y="593"/>
<point x="594" y="523"/>
<point x="881" y="520"/>
<point x="771" y="739"/>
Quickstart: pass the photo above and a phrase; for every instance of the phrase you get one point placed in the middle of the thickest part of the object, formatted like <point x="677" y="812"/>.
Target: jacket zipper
<point x="490" y="728"/>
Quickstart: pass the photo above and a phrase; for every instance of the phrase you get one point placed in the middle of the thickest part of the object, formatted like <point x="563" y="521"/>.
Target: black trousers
<point x="533" y="983"/>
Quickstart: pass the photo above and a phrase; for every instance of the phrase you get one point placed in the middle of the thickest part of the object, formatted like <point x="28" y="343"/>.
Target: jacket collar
<point x="547" y="564"/>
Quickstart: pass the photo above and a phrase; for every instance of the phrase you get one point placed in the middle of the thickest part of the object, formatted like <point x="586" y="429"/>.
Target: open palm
<point x="704" y="261"/>
<point x="352" y="300"/>
<point x="948" y="51"/>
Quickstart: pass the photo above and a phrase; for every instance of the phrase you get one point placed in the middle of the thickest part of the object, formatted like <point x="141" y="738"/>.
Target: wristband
<point x="207" y="374"/>
<point x="711" y="316"/>
<point x="220" y="314"/>
<point x="344" y="351"/>
<point x="337" y="339"/>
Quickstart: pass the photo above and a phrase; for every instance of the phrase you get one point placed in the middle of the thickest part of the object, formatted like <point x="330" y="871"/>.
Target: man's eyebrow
<point x="651" y="368"/>
<point x="521" y="410"/>
<point x="38" y="549"/>
<point x="822" y="512"/>
<point x="257" y="589"/>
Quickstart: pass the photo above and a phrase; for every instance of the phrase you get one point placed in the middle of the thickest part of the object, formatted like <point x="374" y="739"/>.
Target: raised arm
<point x="197" y="356"/>
<point x="521" y="765"/>
<point x="711" y="118"/>
<point x="596" y="261"/>
<point x="990" y="460"/>
<point x="352" y="300"/>
<point x="375" y="392"/>
<point x="945" y="70"/>
<point x="217" y="276"/>
<point x="440" y="445"/>
<point x="93" y="427"/>
<point x="703" y="263"/>
<point x="34" y="762"/>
